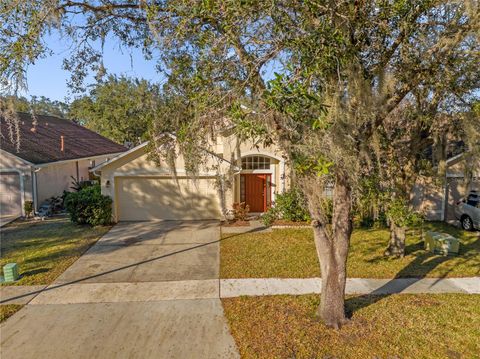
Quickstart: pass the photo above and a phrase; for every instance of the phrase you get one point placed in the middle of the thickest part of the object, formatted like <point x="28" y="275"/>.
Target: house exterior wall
<point x="135" y="172"/>
<point x="55" y="178"/>
<point x="233" y="150"/>
<point x="436" y="198"/>
<point x="137" y="164"/>
<point x="427" y="198"/>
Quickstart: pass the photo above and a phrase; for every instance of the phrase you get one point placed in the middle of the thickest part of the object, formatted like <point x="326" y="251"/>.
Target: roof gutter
<point x="41" y="165"/>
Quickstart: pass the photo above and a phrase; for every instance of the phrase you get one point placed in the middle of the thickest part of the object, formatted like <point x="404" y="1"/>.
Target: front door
<point x="257" y="191"/>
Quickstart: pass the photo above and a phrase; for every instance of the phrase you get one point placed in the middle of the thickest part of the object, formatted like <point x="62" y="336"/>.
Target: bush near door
<point x="89" y="206"/>
<point x="289" y="206"/>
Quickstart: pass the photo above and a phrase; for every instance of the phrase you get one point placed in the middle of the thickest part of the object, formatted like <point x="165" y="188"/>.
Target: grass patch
<point x="7" y="310"/>
<point x="44" y="250"/>
<point x="285" y="253"/>
<point x="397" y="326"/>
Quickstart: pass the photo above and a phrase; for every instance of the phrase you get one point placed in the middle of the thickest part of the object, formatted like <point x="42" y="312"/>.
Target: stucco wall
<point x="427" y="198"/>
<point x="137" y="164"/>
<point x="55" y="178"/>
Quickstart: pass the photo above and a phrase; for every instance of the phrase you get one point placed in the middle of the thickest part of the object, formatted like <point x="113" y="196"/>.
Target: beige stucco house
<point x="143" y="190"/>
<point x="50" y="152"/>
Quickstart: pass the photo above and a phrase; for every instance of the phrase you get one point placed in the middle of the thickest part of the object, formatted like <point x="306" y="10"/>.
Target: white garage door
<point x="141" y="198"/>
<point x="10" y="200"/>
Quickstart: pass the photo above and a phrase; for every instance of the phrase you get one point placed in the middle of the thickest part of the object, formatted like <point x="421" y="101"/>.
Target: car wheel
<point x="467" y="223"/>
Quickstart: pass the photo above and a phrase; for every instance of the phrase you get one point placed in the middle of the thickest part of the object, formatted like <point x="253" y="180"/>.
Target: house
<point x="143" y="190"/>
<point x="436" y="198"/>
<point x="50" y="152"/>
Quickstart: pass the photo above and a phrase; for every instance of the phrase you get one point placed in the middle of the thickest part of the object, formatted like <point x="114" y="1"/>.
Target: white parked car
<point x="467" y="211"/>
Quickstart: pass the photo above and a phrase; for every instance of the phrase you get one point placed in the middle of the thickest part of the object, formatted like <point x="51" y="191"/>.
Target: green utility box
<point x="10" y="272"/>
<point x="441" y="243"/>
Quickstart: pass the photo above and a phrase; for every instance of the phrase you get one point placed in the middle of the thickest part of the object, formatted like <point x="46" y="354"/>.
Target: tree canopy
<point x="119" y="108"/>
<point x="39" y="105"/>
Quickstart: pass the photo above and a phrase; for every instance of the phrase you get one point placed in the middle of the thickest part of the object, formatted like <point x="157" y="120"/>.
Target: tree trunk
<point x="332" y="250"/>
<point x="396" y="246"/>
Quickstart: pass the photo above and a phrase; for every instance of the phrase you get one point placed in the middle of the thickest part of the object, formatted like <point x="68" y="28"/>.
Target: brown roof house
<point x="41" y="164"/>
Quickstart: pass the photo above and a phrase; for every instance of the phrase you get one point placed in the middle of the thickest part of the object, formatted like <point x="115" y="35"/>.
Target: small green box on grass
<point x="441" y="243"/>
<point x="10" y="272"/>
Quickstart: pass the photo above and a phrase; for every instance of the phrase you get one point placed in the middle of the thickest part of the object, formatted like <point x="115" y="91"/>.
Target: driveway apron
<point x="144" y="290"/>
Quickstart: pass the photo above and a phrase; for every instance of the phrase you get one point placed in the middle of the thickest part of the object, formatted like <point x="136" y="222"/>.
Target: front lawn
<point x="397" y="326"/>
<point x="44" y="250"/>
<point x="290" y="253"/>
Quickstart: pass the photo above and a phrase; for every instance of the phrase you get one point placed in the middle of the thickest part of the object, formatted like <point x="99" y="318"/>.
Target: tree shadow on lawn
<point x="424" y="263"/>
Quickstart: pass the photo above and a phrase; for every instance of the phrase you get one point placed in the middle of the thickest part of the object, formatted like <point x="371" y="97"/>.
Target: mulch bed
<point x="236" y="224"/>
<point x="282" y="222"/>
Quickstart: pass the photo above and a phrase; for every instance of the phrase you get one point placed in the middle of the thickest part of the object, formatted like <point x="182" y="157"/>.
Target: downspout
<point x="35" y="187"/>
<point x="444" y="199"/>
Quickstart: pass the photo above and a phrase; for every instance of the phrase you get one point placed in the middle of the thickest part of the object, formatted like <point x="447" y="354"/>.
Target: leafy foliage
<point x="89" y="206"/>
<point x="240" y="211"/>
<point x="119" y="108"/>
<point x="401" y="213"/>
<point x="290" y="205"/>
<point x="39" y="105"/>
<point x="28" y="208"/>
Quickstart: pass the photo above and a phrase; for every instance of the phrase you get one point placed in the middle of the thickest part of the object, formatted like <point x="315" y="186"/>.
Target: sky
<point x="47" y="78"/>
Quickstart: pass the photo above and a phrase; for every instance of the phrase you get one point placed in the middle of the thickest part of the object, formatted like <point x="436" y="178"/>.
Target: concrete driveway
<point x="135" y="294"/>
<point x="135" y="252"/>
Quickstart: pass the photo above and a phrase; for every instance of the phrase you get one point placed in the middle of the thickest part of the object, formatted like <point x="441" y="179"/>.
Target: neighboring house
<point x="142" y="190"/>
<point x="436" y="199"/>
<point x="51" y="151"/>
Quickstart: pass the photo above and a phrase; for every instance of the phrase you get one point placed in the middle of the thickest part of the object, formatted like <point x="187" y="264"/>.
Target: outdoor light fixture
<point x="107" y="184"/>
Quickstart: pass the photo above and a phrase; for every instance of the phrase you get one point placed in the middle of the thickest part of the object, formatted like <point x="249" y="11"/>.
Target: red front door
<point x="257" y="188"/>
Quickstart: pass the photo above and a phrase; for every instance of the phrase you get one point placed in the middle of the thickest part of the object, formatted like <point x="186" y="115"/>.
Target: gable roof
<point x="42" y="143"/>
<point x="119" y="156"/>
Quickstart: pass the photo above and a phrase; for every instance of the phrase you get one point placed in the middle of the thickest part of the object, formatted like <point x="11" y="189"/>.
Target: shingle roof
<point x="42" y="143"/>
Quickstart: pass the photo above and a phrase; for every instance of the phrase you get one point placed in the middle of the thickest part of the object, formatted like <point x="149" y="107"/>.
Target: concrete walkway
<point x="83" y="293"/>
<point x="296" y="286"/>
<point x="145" y="290"/>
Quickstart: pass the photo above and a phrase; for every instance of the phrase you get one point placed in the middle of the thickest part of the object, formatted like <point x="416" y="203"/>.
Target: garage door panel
<point x="10" y="196"/>
<point x="164" y="198"/>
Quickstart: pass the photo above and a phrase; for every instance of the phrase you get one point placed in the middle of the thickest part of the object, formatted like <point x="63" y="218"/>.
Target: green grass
<point x="397" y="326"/>
<point x="7" y="310"/>
<point x="44" y="250"/>
<point x="290" y="253"/>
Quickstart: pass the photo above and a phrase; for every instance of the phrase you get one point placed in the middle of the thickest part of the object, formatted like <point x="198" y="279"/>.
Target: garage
<point x="10" y="195"/>
<point x="164" y="198"/>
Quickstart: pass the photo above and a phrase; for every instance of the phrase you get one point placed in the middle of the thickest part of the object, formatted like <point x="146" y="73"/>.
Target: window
<point x="255" y="163"/>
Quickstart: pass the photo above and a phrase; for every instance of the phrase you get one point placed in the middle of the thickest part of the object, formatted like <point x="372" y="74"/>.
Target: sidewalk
<point x="224" y="288"/>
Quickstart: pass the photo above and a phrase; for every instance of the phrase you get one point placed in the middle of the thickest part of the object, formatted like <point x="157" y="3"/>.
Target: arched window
<point x="255" y="163"/>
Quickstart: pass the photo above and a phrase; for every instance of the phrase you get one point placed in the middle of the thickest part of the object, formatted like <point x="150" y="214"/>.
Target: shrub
<point x="270" y="216"/>
<point x="28" y="208"/>
<point x="290" y="205"/>
<point x="240" y="211"/>
<point x="89" y="206"/>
